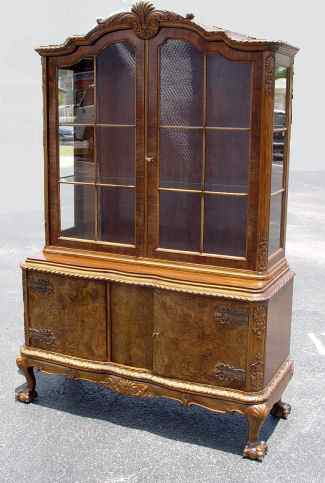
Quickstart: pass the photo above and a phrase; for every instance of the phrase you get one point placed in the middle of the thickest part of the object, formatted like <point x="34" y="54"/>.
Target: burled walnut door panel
<point x="131" y="325"/>
<point x="67" y="315"/>
<point x="200" y="339"/>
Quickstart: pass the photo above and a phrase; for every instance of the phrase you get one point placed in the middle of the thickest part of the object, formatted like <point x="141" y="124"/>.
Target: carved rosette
<point x="269" y="74"/>
<point x="145" y="20"/>
<point x="128" y="387"/>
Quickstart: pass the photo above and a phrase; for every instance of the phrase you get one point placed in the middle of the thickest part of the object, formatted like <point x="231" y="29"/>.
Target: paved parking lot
<point x="80" y="432"/>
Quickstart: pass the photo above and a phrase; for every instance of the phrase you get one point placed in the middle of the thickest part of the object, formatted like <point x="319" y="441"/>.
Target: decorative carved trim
<point x="173" y="286"/>
<point x="227" y="374"/>
<point x="41" y="285"/>
<point x="231" y="315"/>
<point x="127" y="387"/>
<point x="259" y="318"/>
<point x="262" y="255"/>
<point x="256" y="371"/>
<point x="59" y="362"/>
<point x="146" y="21"/>
<point x="41" y="336"/>
<point x="269" y="74"/>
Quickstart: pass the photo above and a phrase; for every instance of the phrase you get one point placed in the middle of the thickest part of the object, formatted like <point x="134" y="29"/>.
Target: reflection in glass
<point x="76" y="92"/>
<point x="228" y="92"/>
<point x="181" y="84"/>
<point x="116" y="217"/>
<point x="116" y="155"/>
<point x="280" y="96"/>
<point x="76" y="148"/>
<point x="115" y="87"/>
<point x="275" y="223"/>
<point x="279" y="140"/>
<point x="179" y="226"/>
<point x="227" y="155"/>
<point x="225" y="225"/>
<point x="181" y="158"/>
<point x="77" y="211"/>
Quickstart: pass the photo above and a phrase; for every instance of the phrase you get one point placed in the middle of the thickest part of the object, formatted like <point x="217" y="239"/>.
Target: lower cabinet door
<point x="66" y="315"/>
<point x="200" y="339"/>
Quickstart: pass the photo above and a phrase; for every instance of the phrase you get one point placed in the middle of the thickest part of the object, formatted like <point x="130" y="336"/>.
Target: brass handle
<point x="149" y="159"/>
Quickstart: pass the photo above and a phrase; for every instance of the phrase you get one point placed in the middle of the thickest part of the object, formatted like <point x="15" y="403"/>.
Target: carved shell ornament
<point x="145" y="20"/>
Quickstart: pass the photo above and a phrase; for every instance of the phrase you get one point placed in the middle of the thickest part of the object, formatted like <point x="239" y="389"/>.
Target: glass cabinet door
<point x="200" y="175"/>
<point x="279" y="159"/>
<point x="99" y="126"/>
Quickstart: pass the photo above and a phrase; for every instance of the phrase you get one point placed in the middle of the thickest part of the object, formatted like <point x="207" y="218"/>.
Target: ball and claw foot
<point x="255" y="451"/>
<point x="281" y="410"/>
<point x="26" y="396"/>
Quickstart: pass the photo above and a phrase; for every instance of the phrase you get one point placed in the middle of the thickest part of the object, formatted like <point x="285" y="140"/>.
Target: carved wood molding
<point x="257" y="337"/>
<point x="84" y="369"/>
<point x="256" y="372"/>
<point x="146" y="21"/>
<point x="175" y="286"/>
<point x="128" y="387"/>
<point x="262" y="255"/>
<point x="259" y="318"/>
<point x="269" y="74"/>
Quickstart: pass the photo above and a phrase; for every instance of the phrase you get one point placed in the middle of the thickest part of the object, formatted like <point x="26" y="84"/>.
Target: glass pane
<point x="275" y="223"/>
<point x="76" y="92"/>
<point x="116" y="155"/>
<point x="180" y="158"/>
<point x="280" y="96"/>
<point x="227" y="156"/>
<point x="279" y="140"/>
<point x="181" y="84"/>
<point x="77" y="211"/>
<point x="76" y="147"/>
<point x="228" y="92"/>
<point x="179" y="226"/>
<point x="116" y="84"/>
<point x="117" y="209"/>
<point x="225" y="225"/>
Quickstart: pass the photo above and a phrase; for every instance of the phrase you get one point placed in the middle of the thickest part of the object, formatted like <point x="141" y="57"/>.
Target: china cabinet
<point x="166" y="151"/>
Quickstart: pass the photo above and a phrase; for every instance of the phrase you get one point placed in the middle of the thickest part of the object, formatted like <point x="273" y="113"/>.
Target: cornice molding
<point x="146" y="22"/>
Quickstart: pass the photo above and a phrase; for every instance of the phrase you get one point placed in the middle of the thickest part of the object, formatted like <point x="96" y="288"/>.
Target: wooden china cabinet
<point x="166" y="170"/>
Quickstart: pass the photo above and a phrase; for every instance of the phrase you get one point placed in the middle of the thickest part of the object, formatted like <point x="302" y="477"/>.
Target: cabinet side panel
<point x="67" y="315"/>
<point x="132" y="325"/>
<point x="278" y="330"/>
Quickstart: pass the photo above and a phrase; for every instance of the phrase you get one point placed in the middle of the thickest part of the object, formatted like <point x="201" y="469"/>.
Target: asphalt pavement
<point x="80" y="432"/>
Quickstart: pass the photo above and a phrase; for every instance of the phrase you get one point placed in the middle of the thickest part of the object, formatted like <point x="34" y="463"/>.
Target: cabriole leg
<point x="255" y="449"/>
<point x="281" y="410"/>
<point x="28" y="394"/>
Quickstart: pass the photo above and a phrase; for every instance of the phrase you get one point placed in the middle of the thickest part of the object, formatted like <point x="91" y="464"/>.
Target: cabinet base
<point x="255" y="406"/>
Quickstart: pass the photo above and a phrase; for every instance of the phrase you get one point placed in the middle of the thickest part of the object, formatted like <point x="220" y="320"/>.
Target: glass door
<point x="200" y="144"/>
<point x="101" y="151"/>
